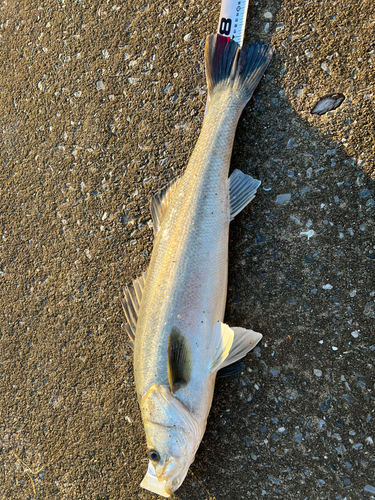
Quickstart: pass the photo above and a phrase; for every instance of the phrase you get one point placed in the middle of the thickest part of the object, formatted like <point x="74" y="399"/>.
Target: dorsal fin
<point x="131" y="303"/>
<point x="160" y="201"/>
<point x="179" y="362"/>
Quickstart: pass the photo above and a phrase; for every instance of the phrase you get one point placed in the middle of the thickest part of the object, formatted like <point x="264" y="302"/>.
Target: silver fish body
<point x="186" y="282"/>
<point x="178" y="308"/>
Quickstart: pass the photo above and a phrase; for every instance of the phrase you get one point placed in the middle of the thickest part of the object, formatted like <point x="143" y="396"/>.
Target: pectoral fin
<point x="179" y="362"/>
<point x="242" y="189"/>
<point x="244" y="340"/>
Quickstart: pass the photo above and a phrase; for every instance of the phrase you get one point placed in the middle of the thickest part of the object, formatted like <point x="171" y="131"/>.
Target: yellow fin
<point x="243" y="342"/>
<point x="221" y="344"/>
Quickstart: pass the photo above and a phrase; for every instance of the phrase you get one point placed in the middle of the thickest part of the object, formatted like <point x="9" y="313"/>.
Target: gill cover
<point x="159" y="406"/>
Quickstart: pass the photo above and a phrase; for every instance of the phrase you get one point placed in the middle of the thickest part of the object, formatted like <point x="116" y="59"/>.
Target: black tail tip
<point x="231" y="65"/>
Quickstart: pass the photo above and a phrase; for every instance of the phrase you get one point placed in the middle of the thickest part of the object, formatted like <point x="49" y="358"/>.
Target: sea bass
<point x="175" y="310"/>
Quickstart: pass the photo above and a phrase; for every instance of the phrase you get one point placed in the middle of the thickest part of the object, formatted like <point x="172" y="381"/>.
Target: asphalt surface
<point x="101" y="105"/>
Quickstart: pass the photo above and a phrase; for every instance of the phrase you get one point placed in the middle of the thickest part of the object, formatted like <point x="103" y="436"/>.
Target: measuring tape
<point x="232" y="23"/>
<point x="232" y="20"/>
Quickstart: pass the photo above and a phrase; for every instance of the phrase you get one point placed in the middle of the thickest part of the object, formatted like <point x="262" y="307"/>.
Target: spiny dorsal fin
<point x="221" y="343"/>
<point x="131" y="303"/>
<point x="179" y="362"/>
<point x="242" y="189"/>
<point x="160" y="201"/>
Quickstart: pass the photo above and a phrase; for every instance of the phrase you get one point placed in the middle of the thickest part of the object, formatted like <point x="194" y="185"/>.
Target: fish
<point x="175" y="310"/>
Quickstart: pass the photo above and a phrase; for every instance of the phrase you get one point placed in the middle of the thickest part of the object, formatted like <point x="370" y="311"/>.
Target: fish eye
<point x="153" y="455"/>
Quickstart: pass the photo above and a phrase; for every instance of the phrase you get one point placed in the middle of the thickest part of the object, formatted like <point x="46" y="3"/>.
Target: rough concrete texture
<point x="101" y="105"/>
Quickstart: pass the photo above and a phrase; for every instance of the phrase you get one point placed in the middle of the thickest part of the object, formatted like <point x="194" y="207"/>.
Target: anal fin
<point x="242" y="189"/>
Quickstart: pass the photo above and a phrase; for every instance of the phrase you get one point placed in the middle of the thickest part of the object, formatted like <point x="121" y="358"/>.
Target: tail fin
<point x="228" y="65"/>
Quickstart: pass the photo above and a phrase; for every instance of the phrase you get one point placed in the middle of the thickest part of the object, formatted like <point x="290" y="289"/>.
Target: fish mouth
<point x="152" y="483"/>
<point x="173" y="473"/>
<point x="166" y="480"/>
<point x="169" y="470"/>
<point x="172" y="485"/>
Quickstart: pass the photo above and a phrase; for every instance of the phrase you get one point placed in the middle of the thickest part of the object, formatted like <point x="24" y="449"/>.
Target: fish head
<point x="173" y="436"/>
<point x="169" y="454"/>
